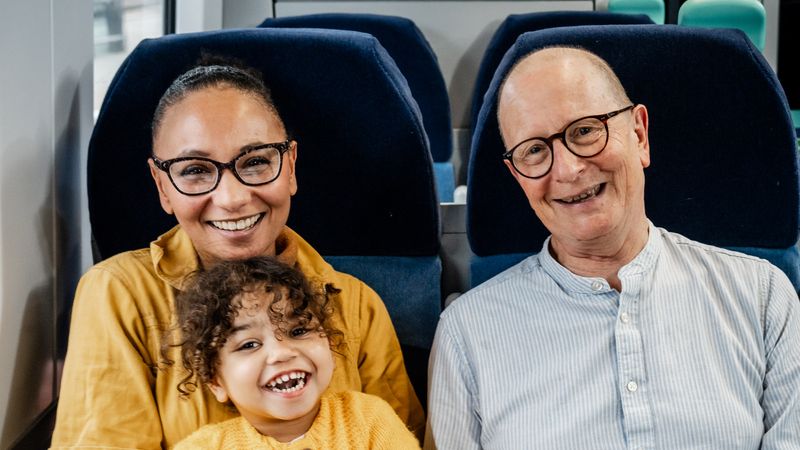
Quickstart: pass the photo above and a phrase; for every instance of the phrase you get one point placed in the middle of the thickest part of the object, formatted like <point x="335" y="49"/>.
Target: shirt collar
<point x="174" y="257"/>
<point x="596" y="285"/>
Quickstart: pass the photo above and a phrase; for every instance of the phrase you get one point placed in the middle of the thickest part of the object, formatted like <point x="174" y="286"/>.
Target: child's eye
<point x="298" y="331"/>
<point x="249" y="345"/>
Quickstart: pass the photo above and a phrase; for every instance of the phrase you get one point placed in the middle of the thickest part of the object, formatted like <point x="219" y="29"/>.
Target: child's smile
<point x="273" y="376"/>
<point x="288" y="382"/>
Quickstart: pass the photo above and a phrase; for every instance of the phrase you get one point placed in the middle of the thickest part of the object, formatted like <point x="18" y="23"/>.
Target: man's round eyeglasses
<point x="257" y="165"/>
<point x="584" y="137"/>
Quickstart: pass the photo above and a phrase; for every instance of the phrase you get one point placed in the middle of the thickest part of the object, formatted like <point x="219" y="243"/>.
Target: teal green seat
<point x="746" y="15"/>
<point x="651" y="8"/>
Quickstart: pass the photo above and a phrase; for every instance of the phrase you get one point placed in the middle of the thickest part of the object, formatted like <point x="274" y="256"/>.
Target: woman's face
<point x="234" y="221"/>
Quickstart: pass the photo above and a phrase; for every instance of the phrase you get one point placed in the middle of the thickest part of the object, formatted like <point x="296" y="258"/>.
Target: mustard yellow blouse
<point x="114" y="391"/>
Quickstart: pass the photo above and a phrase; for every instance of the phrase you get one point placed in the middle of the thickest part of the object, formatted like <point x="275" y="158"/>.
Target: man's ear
<point x="640" y="127"/>
<point x="511" y="169"/>
<point x="162" y="195"/>
<point x="218" y="390"/>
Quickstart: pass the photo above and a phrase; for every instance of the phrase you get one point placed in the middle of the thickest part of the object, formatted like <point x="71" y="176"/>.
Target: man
<point x="618" y="334"/>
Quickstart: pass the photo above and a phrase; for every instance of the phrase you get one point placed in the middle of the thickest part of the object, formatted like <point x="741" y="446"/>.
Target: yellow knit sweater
<point x="346" y="420"/>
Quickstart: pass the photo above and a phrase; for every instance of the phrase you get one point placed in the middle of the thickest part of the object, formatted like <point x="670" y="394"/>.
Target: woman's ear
<point x="218" y="390"/>
<point x="291" y="159"/>
<point x="162" y="195"/>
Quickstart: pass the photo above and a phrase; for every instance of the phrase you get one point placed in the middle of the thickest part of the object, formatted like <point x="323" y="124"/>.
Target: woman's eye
<point x="194" y="170"/>
<point x="257" y="161"/>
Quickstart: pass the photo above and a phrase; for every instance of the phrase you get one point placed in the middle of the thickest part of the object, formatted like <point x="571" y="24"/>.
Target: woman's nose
<point x="231" y="194"/>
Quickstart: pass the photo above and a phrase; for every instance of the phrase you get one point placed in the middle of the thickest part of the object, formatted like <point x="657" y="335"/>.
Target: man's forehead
<point x="562" y="64"/>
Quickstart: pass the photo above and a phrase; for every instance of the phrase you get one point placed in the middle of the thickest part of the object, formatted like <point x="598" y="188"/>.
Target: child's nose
<point x="281" y="350"/>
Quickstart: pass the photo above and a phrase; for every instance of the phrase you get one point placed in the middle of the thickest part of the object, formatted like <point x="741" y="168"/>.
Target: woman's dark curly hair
<point x="207" y="307"/>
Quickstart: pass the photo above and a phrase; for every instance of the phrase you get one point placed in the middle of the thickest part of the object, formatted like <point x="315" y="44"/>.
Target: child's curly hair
<point x="207" y="307"/>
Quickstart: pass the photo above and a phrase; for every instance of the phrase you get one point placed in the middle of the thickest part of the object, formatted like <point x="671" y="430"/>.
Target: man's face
<point x="581" y="200"/>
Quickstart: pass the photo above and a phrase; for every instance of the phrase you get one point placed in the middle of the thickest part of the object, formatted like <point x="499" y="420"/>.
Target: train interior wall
<point x="46" y="120"/>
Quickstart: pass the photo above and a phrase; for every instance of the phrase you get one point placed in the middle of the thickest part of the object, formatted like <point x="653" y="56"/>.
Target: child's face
<point x="271" y="380"/>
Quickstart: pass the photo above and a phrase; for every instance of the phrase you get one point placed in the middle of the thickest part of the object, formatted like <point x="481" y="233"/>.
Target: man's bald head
<point x="570" y="64"/>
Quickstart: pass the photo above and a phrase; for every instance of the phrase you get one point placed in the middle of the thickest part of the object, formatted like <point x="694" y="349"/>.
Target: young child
<point x="259" y="336"/>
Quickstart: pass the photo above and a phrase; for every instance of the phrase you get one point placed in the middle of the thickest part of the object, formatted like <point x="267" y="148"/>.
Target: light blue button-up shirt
<point x="700" y="350"/>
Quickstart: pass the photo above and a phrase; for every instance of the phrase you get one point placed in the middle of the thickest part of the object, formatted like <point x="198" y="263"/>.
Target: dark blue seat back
<point x="723" y="161"/>
<point x="366" y="191"/>
<point x="516" y="24"/>
<point x="414" y="56"/>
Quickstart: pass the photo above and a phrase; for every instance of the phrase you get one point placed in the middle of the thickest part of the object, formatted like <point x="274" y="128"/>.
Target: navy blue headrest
<point x="364" y="169"/>
<point x="723" y="163"/>
<point x="516" y="24"/>
<point x="414" y="57"/>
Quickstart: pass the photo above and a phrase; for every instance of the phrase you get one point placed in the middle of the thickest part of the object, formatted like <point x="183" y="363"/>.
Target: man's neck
<point x="603" y="257"/>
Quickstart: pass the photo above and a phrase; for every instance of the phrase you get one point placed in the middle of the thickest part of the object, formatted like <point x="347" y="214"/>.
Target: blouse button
<point x="596" y="285"/>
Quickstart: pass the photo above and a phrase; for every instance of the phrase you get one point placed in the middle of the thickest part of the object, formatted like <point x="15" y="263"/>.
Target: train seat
<point x="366" y="198"/>
<point x="516" y="24"/>
<point x="746" y="15"/>
<point x="654" y="9"/>
<point x="723" y="168"/>
<point x="416" y="60"/>
<point x="788" y="49"/>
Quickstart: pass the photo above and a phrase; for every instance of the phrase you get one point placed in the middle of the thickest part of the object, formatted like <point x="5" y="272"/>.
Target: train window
<point x="119" y="25"/>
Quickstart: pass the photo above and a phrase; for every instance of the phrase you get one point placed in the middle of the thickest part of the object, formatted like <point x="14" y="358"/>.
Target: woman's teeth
<point x="236" y="225"/>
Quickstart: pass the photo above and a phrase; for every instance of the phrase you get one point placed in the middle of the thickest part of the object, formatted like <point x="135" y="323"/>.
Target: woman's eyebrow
<point x="188" y="152"/>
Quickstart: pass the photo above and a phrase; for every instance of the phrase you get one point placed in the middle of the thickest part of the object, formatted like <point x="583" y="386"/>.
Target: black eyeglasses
<point x="584" y="137"/>
<point x="255" y="166"/>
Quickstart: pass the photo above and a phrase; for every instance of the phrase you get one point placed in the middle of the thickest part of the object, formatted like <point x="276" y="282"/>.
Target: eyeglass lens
<point x="584" y="137"/>
<point x="195" y="176"/>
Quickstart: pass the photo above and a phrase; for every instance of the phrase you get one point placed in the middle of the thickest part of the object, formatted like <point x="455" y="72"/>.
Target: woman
<point x="225" y="167"/>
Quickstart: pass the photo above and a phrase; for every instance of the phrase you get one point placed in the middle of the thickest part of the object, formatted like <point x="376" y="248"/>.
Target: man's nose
<point x="567" y="166"/>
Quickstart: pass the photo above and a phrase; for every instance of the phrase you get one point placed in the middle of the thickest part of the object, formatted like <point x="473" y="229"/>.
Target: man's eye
<point x="534" y="149"/>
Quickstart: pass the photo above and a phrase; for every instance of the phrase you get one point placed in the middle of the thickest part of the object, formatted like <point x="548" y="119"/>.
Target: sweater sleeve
<point x="386" y="429"/>
<point x="380" y="362"/>
<point x="106" y="395"/>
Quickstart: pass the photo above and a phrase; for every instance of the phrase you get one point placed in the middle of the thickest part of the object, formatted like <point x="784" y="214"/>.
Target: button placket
<point x="638" y="420"/>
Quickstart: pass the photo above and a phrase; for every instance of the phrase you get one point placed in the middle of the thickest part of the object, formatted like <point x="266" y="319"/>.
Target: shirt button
<point x="632" y="386"/>
<point x="596" y="285"/>
<point x="624" y="317"/>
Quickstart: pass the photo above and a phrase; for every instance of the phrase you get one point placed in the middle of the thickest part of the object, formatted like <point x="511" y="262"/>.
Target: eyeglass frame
<point x="561" y="135"/>
<point x="282" y="148"/>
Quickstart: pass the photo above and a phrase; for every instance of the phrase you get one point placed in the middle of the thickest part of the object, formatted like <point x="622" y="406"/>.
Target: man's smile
<point x="583" y="196"/>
